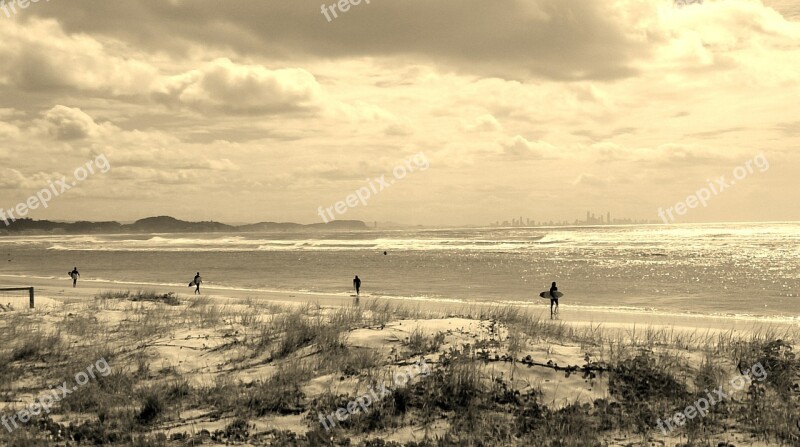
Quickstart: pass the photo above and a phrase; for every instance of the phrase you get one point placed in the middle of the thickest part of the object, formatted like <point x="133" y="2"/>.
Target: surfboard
<point x="546" y="295"/>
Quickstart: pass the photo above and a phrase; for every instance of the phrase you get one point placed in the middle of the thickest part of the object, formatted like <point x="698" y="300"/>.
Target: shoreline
<point x="51" y="291"/>
<point x="273" y="361"/>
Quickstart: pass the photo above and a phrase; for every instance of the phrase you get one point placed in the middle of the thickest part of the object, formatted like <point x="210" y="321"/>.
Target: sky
<point x="471" y="111"/>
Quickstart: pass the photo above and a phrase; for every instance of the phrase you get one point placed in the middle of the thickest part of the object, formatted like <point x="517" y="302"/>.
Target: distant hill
<point x="336" y="225"/>
<point x="166" y="224"/>
<point x="46" y="226"/>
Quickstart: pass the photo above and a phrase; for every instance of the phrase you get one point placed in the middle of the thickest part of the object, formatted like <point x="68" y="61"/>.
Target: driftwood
<point x="588" y="369"/>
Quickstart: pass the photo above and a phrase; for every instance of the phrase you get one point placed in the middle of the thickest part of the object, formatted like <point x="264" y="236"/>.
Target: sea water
<point x="715" y="269"/>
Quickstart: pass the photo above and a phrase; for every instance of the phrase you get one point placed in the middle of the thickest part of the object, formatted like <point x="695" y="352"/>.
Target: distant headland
<point x="166" y="224"/>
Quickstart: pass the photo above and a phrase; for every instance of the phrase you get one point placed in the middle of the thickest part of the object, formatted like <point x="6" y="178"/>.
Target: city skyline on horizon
<point x="514" y="223"/>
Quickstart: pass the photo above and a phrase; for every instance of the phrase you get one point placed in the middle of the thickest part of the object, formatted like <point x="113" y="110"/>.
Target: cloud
<point x="65" y="123"/>
<point x="685" y="156"/>
<point x="556" y="39"/>
<point x="362" y="112"/>
<point x="483" y="123"/>
<point x="12" y="179"/>
<point x="40" y="56"/>
<point x="15" y="179"/>
<point x="157" y="176"/>
<point x="267" y="102"/>
<point x="519" y="147"/>
<point x="398" y="130"/>
<point x="222" y="86"/>
<point x="589" y="180"/>
<point x="8" y="131"/>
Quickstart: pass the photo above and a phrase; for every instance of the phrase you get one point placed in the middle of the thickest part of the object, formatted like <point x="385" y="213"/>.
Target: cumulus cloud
<point x="608" y="152"/>
<point x="223" y="86"/>
<point x="40" y="55"/>
<point x="520" y="147"/>
<point x="65" y="123"/>
<point x="152" y="176"/>
<point x="362" y="112"/>
<point x="11" y="178"/>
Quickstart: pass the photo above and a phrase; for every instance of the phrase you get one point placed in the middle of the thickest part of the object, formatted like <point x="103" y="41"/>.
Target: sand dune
<point x="265" y="368"/>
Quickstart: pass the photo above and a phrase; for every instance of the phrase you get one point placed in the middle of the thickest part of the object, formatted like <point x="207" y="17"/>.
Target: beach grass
<point x="192" y="371"/>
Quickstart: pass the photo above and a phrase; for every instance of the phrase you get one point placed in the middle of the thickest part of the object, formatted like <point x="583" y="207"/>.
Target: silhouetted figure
<point x="74" y="275"/>
<point x="357" y="286"/>
<point x="196" y="281"/>
<point x="385" y="253"/>
<point x="553" y="299"/>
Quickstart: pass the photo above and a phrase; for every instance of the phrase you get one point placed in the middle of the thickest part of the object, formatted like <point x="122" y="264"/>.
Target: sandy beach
<point x="61" y="291"/>
<point x="233" y="366"/>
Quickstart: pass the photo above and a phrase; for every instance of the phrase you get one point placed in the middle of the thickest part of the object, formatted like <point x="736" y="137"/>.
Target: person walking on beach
<point x="196" y="281"/>
<point x="357" y="286"/>
<point x="74" y="275"/>
<point x="553" y="300"/>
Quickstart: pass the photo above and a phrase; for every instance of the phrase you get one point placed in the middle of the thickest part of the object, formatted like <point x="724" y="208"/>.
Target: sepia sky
<point x="263" y="110"/>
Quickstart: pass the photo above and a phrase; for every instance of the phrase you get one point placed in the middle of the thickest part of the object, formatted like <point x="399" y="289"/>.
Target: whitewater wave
<point x="235" y="243"/>
<point x="659" y="238"/>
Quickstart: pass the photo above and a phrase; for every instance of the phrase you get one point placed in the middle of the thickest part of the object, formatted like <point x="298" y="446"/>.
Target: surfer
<point x="357" y="285"/>
<point x="74" y="275"/>
<point x="196" y="281"/>
<point x="553" y="299"/>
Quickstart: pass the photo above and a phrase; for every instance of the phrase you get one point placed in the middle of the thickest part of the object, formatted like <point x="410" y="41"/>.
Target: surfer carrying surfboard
<point x="196" y="281"/>
<point x="74" y="275"/>
<point x="553" y="294"/>
<point x="553" y="299"/>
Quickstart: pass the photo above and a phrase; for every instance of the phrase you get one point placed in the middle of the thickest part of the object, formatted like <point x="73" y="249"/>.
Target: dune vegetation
<point x="198" y="372"/>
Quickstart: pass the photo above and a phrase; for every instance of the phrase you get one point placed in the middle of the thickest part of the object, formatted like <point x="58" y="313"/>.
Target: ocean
<point x="712" y="269"/>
